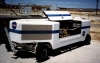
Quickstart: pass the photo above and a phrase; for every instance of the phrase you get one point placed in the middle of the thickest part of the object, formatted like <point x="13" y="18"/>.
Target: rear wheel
<point x="41" y="52"/>
<point x="87" y="40"/>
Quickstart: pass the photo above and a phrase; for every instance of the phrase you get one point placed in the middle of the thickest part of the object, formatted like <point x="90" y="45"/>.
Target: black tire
<point x="41" y="53"/>
<point x="87" y="40"/>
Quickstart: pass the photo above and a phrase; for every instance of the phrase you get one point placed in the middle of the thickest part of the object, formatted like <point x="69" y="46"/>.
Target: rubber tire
<point x="87" y="40"/>
<point x="40" y="53"/>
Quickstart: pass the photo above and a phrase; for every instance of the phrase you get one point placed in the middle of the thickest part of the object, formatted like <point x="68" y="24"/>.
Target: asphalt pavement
<point x="80" y="54"/>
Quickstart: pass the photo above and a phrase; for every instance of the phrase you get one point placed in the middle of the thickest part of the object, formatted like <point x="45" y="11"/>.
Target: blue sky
<point x="60" y="3"/>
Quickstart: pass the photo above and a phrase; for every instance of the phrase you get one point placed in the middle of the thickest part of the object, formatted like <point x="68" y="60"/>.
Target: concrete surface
<point x="83" y="54"/>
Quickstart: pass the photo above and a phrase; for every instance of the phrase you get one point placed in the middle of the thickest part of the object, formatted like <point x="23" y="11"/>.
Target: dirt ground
<point x="95" y="31"/>
<point x="95" y="36"/>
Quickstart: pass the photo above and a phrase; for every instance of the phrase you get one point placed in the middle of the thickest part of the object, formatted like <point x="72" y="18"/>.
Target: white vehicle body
<point x="49" y="31"/>
<point x="55" y="41"/>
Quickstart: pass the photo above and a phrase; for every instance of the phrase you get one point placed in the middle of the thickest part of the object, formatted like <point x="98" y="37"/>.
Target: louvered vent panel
<point x="36" y="35"/>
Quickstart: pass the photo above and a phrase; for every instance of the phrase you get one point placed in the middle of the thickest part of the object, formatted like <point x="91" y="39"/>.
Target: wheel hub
<point x="44" y="53"/>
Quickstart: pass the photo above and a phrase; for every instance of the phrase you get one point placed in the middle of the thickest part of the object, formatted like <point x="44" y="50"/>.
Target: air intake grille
<point x="37" y="32"/>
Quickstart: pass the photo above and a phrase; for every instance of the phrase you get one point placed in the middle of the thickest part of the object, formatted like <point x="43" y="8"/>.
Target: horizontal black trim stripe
<point x="34" y="31"/>
<point x="84" y="27"/>
<point x="51" y="15"/>
<point x="39" y="31"/>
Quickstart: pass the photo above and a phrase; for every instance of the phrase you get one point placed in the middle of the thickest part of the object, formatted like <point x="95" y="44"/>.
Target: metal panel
<point x="36" y="27"/>
<point x="36" y="36"/>
<point x="58" y="15"/>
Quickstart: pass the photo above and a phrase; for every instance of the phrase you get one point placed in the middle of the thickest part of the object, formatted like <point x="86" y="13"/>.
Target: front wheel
<point x="41" y="52"/>
<point x="87" y="40"/>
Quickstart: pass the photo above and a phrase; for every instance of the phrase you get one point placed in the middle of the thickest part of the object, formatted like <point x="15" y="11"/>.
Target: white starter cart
<point x="41" y="35"/>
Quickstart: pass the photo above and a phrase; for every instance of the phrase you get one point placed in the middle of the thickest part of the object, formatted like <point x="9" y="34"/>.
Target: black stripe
<point x="34" y="31"/>
<point x="84" y="27"/>
<point x="39" y="31"/>
<point x="51" y="15"/>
